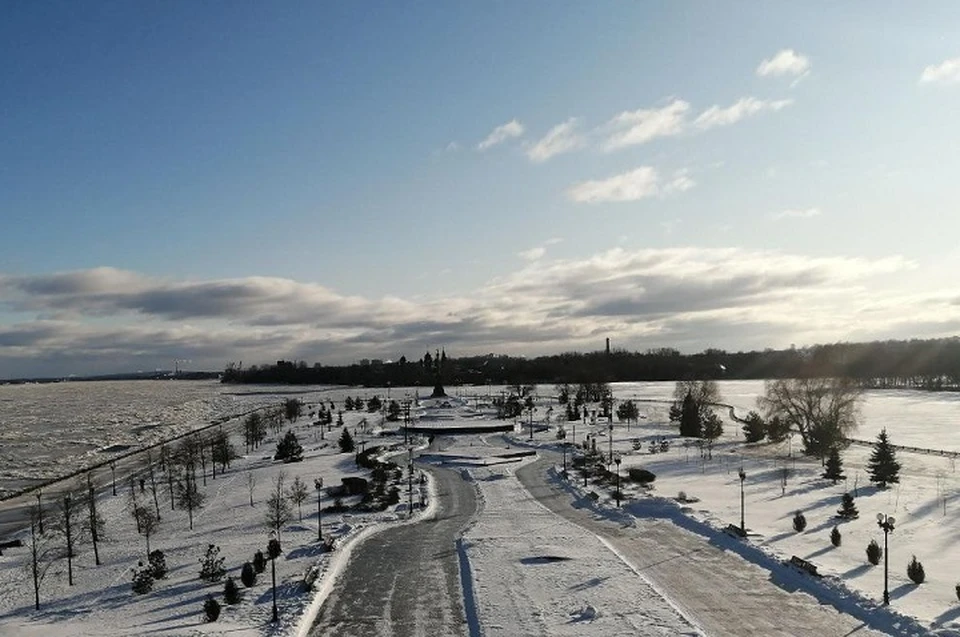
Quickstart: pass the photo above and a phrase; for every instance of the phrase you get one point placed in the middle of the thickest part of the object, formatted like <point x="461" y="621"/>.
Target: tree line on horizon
<point x="919" y="363"/>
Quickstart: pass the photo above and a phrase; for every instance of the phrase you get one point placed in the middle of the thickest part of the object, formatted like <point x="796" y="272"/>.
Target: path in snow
<point x="405" y="581"/>
<point x="536" y="574"/>
<point x="723" y="593"/>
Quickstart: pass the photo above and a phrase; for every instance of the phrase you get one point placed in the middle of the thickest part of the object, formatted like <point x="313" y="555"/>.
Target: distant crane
<point x="177" y="363"/>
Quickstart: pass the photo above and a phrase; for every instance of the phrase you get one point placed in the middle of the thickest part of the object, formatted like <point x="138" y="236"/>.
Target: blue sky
<point x="331" y="181"/>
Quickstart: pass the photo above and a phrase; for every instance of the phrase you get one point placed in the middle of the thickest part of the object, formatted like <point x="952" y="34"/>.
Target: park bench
<point x="735" y="531"/>
<point x="804" y="565"/>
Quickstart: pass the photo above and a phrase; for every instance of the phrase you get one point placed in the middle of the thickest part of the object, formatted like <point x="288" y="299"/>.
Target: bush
<point x="915" y="571"/>
<point x="158" y="564"/>
<point x="641" y="475"/>
<point x="211" y="565"/>
<point x="835" y="537"/>
<point x="142" y="579"/>
<point x="799" y="521"/>
<point x="211" y="608"/>
<point x="231" y="592"/>
<point x="247" y="575"/>
<point x="259" y="562"/>
<point x="682" y="496"/>
<point x="874" y="552"/>
<point x="956" y="589"/>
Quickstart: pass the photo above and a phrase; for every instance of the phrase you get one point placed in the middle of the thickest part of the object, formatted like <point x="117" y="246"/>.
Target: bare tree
<point x="153" y="484"/>
<point x="147" y="523"/>
<point x="704" y="393"/>
<point x="824" y="411"/>
<point x="44" y="552"/>
<point x="278" y="507"/>
<point x="67" y="525"/>
<point x="251" y="485"/>
<point x="189" y="497"/>
<point x="298" y="494"/>
<point x="94" y="522"/>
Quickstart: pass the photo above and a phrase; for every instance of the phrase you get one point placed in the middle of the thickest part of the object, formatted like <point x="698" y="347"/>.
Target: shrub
<point x="682" y="496"/>
<point x="211" y="609"/>
<point x="956" y="589"/>
<point x="915" y="571"/>
<point x="874" y="552"/>
<point x="799" y="521"/>
<point x="231" y="592"/>
<point x="835" y="537"/>
<point x="259" y="562"/>
<point x="211" y="565"/>
<point x="247" y="575"/>
<point x="158" y="564"/>
<point x="848" y="509"/>
<point x="142" y="579"/>
<point x="641" y="475"/>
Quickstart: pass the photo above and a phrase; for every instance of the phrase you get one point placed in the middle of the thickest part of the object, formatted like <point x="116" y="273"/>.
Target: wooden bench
<point x="10" y="544"/>
<point x="804" y="565"/>
<point x="593" y="496"/>
<point x="734" y="530"/>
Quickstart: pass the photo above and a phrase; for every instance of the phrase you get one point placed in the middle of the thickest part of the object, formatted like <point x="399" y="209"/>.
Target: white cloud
<point x="947" y="72"/>
<point x="501" y="133"/>
<point x="537" y="252"/>
<point x="533" y="253"/>
<point x="452" y="147"/>
<point x="561" y="138"/>
<point x="640" y="183"/>
<point x="796" y="214"/>
<point x="680" y="182"/>
<point x="785" y="62"/>
<point x="744" y="107"/>
<point x="631" y="128"/>
<point x="631" y="186"/>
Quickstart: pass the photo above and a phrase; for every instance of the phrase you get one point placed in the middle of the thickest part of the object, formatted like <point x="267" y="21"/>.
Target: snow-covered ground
<point x="528" y="568"/>
<point x="926" y="505"/>
<point x="101" y="601"/>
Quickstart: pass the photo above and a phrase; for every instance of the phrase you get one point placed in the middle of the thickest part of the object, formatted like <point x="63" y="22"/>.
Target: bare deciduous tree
<point x="298" y="494"/>
<point x="278" y="507"/>
<point x="824" y="411"/>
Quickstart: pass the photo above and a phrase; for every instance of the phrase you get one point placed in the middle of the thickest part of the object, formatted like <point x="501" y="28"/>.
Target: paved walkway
<point x="405" y="580"/>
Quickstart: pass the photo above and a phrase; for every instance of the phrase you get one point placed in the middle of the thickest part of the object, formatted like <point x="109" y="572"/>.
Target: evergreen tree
<point x="835" y="537"/>
<point x="883" y="466"/>
<point x="690" y="418"/>
<point x="834" y="468"/>
<point x="777" y="429"/>
<point x="211" y="565"/>
<point x="289" y="449"/>
<point x="754" y="427"/>
<point x="231" y="592"/>
<point x="848" y="510"/>
<point x="247" y="575"/>
<point x="346" y="441"/>
<point x="211" y="609"/>
<point x="799" y="521"/>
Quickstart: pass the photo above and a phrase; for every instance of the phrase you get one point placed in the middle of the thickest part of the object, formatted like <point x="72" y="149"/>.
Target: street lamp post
<point x="611" y="441"/>
<point x="113" y="472"/>
<point x="617" y="461"/>
<point x="743" y="528"/>
<point x="273" y="550"/>
<point x="318" y="483"/>
<point x="886" y="523"/>
<point x="563" y="446"/>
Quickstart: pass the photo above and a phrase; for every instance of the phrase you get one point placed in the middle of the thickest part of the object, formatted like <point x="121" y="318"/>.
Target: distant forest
<point x="922" y="364"/>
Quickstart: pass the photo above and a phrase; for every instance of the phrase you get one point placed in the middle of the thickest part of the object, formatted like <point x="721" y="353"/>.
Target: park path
<point x="723" y="593"/>
<point x="405" y="580"/>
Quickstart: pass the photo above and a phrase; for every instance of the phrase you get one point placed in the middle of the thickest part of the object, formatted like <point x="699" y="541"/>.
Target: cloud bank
<point x="106" y="319"/>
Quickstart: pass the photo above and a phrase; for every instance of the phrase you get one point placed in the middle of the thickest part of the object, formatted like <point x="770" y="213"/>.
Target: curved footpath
<point x="405" y="580"/>
<point x="723" y="593"/>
